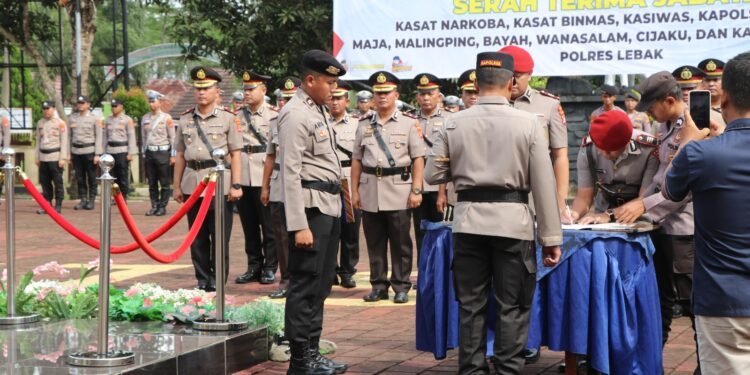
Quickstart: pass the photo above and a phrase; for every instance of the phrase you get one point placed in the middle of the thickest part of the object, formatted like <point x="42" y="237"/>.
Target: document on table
<point x="613" y="227"/>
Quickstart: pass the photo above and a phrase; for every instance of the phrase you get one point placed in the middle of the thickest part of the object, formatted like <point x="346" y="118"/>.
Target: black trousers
<point x="121" y="173"/>
<point x="203" y="249"/>
<point x="673" y="263"/>
<point x="381" y="229"/>
<point x="50" y="174"/>
<point x="159" y="178"/>
<point x="349" y="249"/>
<point x="509" y="266"/>
<point x="85" y="175"/>
<point x="426" y="211"/>
<point x="278" y="227"/>
<point x="260" y="244"/>
<point x="311" y="273"/>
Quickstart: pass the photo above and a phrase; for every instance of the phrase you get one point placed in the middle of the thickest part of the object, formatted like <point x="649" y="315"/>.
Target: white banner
<point x="565" y="37"/>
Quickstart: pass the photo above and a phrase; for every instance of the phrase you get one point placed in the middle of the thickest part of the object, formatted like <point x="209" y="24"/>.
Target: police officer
<point x="364" y="103"/>
<point x="387" y="166"/>
<point x="85" y="134"/>
<point x="51" y="155"/>
<point x="608" y="94"/>
<point x="238" y="100"/>
<point x="255" y="118"/>
<point x="493" y="228"/>
<point x="203" y="129"/>
<point x="345" y="128"/>
<point x="431" y="120"/>
<point x="452" y="104"/>
<point x="689" y="78"/>
<point x="118" y="140"/>
<point x="713" y="70"/>
<point x="311" y="181"/>
<point x="615" y="165"/>
<point x="640" y="120"/>
<point x="287" y="88"/>
<point x="158" y="138"/>
<point x="469" y="94"/>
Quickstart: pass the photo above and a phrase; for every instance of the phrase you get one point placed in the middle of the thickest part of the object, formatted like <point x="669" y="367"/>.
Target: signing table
<point x="600" y="300"/>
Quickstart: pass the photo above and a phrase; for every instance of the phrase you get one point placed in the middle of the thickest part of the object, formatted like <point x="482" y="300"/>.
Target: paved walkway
<point x="372" y="338"/>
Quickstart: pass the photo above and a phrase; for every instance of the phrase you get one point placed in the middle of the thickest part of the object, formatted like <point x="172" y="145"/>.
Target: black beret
<point x="688" y="76"/>
<point x="204" y="77"/>
<point x="466" y="80"/>
<point x="608" y="89"/>
<point x="251" y="79"/>
<point x="383" y="81"/>
<point x="712" y="67"/>
<point x="495" y="60"/>
<point x="427" y="81"/>
<point x="654" y="88"/>
<point x="322" y="62"/>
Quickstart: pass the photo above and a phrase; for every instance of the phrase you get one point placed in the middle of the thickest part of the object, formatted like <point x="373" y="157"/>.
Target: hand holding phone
<point x="700" y="108"/>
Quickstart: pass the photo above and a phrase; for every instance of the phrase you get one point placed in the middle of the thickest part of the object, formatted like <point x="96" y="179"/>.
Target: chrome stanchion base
<point x="214" y="325"/>
<point x="95" y="359"/>
<point x="19" y="319"/>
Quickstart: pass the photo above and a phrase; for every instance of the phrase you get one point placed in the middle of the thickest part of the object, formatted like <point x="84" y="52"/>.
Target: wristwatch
<point x="237" y="186"/>
<point x="416" y="191"/>
<point x="611" y="214"/>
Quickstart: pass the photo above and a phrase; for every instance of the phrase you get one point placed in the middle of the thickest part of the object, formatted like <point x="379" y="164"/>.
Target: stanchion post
<point x="9" y="170"/>
<point x="220" y="323"/>
<point x="103" y="357"/>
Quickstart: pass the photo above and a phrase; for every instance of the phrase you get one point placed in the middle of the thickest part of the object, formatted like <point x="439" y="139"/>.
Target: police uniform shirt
<point x="276" y="191"/>
<point x="640" y="121"/>
<point x="402" y="134"/>
<point x="84" y="130"/>
<point x="158" y="129"/>
<point x="345" y="131"/>
<point x="5" y="132"/>
<point x="676" y="218"/>
<point x="601" y="110"/>
<point x="119" y="129"/>
<point x="304" y="129"/>
<point x="222" y="132"/>
<point x="431" y="126"/>
<point x="717" y="117"/>
<point x="548" y="107"/>
<point x="635" y="166"/>
<point x="252" y="163"/>
<point x="494" y="129"/>
<point x="52" y="134"/>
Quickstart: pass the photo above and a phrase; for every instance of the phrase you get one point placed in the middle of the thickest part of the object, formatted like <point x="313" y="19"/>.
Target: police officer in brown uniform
<point x="469" y="94"/>
<point x="431" y="120"/>
<point x="158" y="138"/>
<point x="118" y="139"/>
<point x="345" y="128"/>
<point x="201" y="130"/>
<point x="640" y="120"/>
<point x="287" y="88"/>
<point x="689" y="78"/>
<point x="615" y="165"/>
<point x="493" y="226"/>
<point x="51" y="155"/>
<point x="387" y="166"/>
<point x="713" y="69"/>
<point x="364" y="103"/>
<point x="255" y="117"/>
<point x="608" y="94"/>
<point x="311" y="181"/>
<point x="85" y="131"/>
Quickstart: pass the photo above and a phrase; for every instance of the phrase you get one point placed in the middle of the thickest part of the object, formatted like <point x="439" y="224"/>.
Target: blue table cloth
<point x="600" y="300"/>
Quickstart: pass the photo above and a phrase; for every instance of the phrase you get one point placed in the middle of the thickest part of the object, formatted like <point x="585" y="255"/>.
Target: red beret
<point x="611" y="131"/>
<point x="521" y="58"/>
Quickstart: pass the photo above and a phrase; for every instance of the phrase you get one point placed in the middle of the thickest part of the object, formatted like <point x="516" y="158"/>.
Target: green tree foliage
<point x="134" y="101"/>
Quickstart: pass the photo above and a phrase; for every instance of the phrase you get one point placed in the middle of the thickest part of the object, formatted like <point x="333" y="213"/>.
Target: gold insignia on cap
<point x="686" y="74"/>
<point x="288" y="84"/>
<point x="381" y="78"/>
<point x="424" y="80"/>
<point x="473" y="76"/>
<point x="246" y="76"/>
<point x="711" y="66"/>
<point x="201" y="74"/>
<point x="333" y="70"/>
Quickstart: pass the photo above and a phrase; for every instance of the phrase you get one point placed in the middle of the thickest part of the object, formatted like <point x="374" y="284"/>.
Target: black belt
<point x="328" y="187"/>
<point x="117" y="144"/>
<point x="493" y="195"/>
<point x="277" y="167"/>
<point x="254" y="149"/>
<point x="50" y="151"/>
<point x="82" y="145"/>
<point x="380" y="171"/>
<point x="346" y="163"/>
<point x="200" y="164"/>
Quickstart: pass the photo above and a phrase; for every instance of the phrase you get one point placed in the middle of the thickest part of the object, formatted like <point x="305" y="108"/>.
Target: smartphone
<point x="700" y="108"/>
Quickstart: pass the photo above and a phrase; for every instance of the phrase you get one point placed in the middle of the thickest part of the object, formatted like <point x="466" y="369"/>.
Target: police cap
<point x="382" y="81"/>
<point x="497" y="60"/>
<point x="204" y="77"/>
<point x="48" y="104"/>
<point x="82" y="99"/>
<point x="688" y="76"/>
<point x="364" y="96"/>
<point x="288" y="86"/>
<point x="427" y="82"/>
<point x="654" y="88"/>
<point x="251" y="79"/>
<point x="467" y="79"/>
<point x="713" y="68"/>
<point x="342" y="88"/>
<point x="609" y="90"/>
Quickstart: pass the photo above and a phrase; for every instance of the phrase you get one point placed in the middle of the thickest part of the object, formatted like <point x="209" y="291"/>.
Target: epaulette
<point x="586" y="141"/>
<point x="189" y="110"/>
<point x="275" y="109"/>
<point x="354" y="116"/>
<point x="409" y="115"/>
<point x="229" y="110"/>
<point x="549" y="95"/>
<point x="647" y="140"/>
<point x="368" y="116"/>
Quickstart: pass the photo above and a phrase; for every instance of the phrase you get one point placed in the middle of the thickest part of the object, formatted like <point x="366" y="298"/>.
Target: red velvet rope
<point x="83" y="237"/>
<point x="194" y="229"/>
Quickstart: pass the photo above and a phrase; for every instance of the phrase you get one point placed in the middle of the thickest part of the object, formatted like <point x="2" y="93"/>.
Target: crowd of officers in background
<point x="621" y="167"/>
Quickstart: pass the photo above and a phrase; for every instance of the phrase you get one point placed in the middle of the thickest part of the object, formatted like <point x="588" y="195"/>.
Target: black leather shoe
<point x="89" y="205"/>
<point x="376" y="295"/>
<point x="338" y="368"/>
<point x="247" y="277"/>
<point x="58" y="208"/>
<point x="347" y="281"/>
<point x="531" y="355"/>
<point x="280" y="293"/>
<point x="81" y="205"/>
<point x="152" y="211"/>
<point x="267" y="277"/>
<point x="161" y="211"/>
<point x="210" y="288"/>
<point x="401" y="297"/>
<point x="201" y="285"/>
